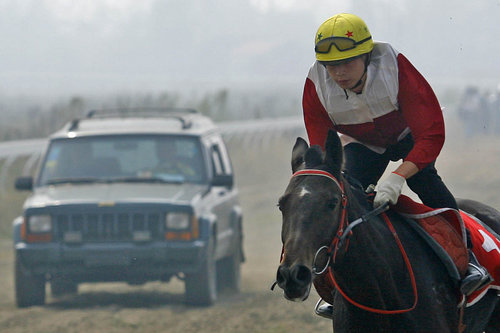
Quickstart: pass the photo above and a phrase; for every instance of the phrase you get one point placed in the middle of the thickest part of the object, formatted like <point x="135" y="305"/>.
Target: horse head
<point x="311" y="210"/>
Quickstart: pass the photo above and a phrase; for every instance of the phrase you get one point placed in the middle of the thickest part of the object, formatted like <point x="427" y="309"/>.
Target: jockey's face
<point x="347" y="74"/>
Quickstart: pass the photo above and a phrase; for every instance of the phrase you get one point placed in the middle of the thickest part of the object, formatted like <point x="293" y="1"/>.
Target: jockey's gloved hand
<point x="389" y="190"/>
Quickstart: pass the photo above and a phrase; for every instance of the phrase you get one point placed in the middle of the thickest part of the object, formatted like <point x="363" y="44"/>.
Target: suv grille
<point x="100" y="227"/>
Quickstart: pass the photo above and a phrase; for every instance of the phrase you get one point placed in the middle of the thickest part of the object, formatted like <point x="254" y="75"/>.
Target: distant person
<point x="494" y="111"/>
<point x="386" y="111"/>
<point x="474" y="112"/>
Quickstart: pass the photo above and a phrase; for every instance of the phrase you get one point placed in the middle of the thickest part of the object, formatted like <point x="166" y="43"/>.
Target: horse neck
<point x="370" y="247"/>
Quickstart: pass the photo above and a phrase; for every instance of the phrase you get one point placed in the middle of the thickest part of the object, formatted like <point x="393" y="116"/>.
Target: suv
<point x="130" y="195"/>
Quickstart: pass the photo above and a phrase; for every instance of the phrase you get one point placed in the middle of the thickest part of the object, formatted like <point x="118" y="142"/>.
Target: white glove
<point x="389" y="190"/>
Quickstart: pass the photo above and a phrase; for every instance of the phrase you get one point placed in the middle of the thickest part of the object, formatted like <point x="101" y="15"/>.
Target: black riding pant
<point x="368" y="166"/>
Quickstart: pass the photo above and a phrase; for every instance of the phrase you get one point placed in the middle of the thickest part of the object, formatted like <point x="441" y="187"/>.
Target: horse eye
<point x="332" y="203"/>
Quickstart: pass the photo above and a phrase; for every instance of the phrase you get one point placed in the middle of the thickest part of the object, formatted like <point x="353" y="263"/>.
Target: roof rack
<point x="181" y="114"/>
<point x="140" y="111"/>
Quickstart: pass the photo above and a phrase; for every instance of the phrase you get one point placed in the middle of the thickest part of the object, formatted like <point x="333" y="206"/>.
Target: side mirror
<point x="223" y="180"/>
<point x="24" y="184"/>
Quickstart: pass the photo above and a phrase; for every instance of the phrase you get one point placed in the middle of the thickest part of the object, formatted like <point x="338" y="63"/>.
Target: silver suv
<point x="130" y="195"/>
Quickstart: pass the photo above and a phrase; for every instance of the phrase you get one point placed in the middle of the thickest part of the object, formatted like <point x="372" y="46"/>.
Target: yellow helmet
<point x="341" y="37"/>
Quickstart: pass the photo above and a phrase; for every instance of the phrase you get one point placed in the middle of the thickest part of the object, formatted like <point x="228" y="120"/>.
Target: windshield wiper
<point x="82" y="180"/>
<point x="168" y="180"/>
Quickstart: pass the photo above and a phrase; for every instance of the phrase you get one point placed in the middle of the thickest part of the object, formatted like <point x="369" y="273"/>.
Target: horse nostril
<point x="282" y="275"/>
<point x="302" y="275"/>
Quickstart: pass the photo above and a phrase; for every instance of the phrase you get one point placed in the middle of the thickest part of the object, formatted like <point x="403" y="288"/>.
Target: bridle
<point x="339" y="234"/>
<point x="340" y="237"/>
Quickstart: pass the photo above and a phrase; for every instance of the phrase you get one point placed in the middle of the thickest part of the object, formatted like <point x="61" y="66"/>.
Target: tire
<point x="201" y="287"/>
<point x="29" y="287"/>
<point x="229" y="271"/>
<point x="60" y="286"/>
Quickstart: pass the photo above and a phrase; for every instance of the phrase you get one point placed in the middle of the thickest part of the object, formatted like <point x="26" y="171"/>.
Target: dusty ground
<point x="469" y="167"/>
<point x="159" y="307"/>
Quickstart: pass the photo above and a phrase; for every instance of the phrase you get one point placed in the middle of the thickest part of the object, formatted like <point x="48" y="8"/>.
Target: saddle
<point x="443" y="227"/>
<point x="446" y="227"/>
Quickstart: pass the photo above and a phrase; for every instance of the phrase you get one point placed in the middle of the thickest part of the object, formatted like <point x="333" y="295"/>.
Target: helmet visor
<point x="341" y="43"/>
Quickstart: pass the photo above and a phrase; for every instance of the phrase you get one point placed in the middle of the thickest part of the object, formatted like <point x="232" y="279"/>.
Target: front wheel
<point x="30" y="287"/>
<point x="201" y="286"/>
<point x="229" y="271"/>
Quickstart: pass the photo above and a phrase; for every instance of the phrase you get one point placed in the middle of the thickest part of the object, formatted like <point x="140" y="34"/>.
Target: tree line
<point x="25" y="118"/>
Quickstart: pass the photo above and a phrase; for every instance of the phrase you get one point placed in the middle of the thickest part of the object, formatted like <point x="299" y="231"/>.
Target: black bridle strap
<point x="362" y="219"/>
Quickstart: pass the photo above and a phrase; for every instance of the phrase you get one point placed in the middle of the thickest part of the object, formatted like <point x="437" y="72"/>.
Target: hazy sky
<point x="56" y="47"/>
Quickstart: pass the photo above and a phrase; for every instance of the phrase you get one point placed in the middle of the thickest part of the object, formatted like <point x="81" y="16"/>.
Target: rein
<point x="342" y="235"/>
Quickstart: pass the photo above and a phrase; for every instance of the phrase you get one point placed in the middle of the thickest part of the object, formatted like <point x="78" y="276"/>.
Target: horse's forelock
<point x="313" y="157"/>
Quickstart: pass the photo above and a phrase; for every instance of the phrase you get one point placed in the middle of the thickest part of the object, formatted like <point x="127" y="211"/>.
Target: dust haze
<point x="262" y="167"/>
<point x="52" y="47"/>
<point x="259" y="51"/>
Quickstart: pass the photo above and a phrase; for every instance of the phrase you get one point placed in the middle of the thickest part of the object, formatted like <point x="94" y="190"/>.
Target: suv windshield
<point x="130" y="158"/>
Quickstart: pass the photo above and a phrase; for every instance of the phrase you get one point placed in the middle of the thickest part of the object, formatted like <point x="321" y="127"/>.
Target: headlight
<point x="177" y="221"/>
<point x="40" y="223"/>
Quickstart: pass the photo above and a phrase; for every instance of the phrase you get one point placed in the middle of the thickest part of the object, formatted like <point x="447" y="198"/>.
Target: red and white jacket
<point x="396" y="99"/>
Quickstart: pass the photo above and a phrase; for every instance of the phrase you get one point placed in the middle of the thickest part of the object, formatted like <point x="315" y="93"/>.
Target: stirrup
<point x="325" y="310"/>
<point x="476" y="276"/>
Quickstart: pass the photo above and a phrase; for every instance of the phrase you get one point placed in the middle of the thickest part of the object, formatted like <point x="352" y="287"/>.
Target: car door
<point x="224" y="197"/>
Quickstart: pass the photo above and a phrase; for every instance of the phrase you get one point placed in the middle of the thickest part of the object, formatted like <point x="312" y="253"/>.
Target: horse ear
<point x="334" y="153"/>
<point x="299" y="149"/>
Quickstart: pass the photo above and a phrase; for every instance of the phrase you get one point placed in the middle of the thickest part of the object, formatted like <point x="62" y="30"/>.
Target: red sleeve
<point x="316" y="118"/>
<point x="422" y="112"/>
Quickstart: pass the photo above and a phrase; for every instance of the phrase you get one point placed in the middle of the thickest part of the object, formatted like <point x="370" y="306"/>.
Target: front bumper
<point x="112" y="262"/>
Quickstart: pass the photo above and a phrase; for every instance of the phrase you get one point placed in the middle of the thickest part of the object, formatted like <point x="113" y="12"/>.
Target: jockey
<point x="386" y="111"/>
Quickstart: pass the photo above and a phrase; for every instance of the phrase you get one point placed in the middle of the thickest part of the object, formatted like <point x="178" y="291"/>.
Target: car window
<point x="220" y="160"/>
<point x="217" y="161"/>
<point x="130" y="157"/>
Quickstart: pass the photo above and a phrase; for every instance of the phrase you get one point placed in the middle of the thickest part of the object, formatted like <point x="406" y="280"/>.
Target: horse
<point x="385" y="277"/>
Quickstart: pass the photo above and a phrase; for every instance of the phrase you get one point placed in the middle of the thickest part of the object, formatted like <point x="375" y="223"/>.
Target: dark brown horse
<point x="388" y="278"/>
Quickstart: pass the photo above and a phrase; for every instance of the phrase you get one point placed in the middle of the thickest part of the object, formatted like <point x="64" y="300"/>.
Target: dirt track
<point x="155" y="307"/>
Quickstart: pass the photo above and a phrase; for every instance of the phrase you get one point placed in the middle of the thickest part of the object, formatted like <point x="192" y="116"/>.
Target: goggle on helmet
<point x="342" y="37"/>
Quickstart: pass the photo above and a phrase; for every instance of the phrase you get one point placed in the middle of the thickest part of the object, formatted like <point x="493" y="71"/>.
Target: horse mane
<point x="313" y="157"/>
<point x="359" y="200"/>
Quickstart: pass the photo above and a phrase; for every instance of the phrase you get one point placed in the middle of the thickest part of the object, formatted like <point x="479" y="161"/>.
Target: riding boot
<point x="325" y="311"/>
<point x="476" y="276"/>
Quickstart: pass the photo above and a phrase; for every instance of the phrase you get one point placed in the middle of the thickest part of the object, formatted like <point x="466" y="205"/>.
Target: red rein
<point x="333" y="245"/>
